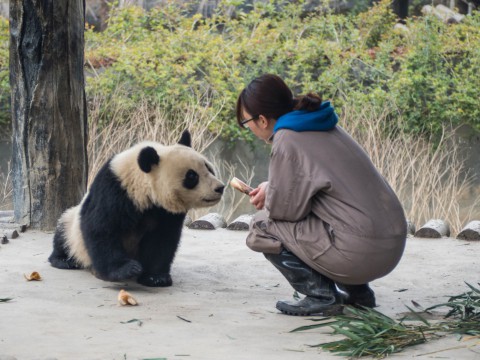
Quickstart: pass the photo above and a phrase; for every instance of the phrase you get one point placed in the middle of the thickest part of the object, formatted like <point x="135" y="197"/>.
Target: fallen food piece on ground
<point x="34" y="276"/>
<point x="125" y="298"/>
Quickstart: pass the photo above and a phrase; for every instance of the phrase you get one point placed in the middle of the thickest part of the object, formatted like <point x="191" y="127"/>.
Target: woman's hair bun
<point x="309" y="102"/>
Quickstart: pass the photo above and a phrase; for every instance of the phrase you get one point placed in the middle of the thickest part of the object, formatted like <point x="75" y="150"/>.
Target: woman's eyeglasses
<point x="246" y="121"/>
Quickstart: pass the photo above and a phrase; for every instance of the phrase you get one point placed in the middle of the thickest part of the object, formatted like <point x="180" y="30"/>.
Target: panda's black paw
<point x="155" y="280"/>
<point x="128" y="270"/>
<point x="63" y="263"/>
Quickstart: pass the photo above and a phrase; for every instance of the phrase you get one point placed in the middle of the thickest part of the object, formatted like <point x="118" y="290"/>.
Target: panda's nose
<point x="220" y="189"/>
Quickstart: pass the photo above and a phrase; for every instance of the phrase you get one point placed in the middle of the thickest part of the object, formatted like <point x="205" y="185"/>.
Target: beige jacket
<point x="327" y="203"/>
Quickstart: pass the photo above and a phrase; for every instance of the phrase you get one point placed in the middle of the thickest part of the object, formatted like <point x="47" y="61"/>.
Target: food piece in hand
<point x="240" y="186"/>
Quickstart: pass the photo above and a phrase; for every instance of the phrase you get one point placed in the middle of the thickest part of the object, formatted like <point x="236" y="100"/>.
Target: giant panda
<point x="129" y="223"/>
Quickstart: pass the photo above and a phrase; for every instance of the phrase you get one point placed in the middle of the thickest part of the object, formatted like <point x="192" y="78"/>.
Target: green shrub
<point x="427" y="75"/>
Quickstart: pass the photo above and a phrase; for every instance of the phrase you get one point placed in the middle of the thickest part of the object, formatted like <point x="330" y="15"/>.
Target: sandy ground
<point x="221" y="306"/>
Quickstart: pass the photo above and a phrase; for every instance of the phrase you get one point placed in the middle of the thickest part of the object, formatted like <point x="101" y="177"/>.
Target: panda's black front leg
<point x="109" y="260"/>
<point x="157" y="251"/>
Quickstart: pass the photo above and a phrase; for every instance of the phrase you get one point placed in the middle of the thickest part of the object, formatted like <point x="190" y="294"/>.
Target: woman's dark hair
<point x="268" y="95"/>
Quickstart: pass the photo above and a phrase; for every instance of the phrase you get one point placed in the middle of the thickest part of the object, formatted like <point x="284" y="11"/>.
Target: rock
<point x="443" y="13"/>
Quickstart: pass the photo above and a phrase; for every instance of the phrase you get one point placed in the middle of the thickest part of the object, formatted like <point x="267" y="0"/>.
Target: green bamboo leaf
<point x="138" y="321"/>
<point x="347" y="333"/>
<point x="370" y="329"/>
<point x="5" y="299"/>
<point x="417" y="316"/>
<point x="473" y="288"/>
<point x="370" y="333"/>
<point x="438" y="305"/>
<point x="309" y="327"/>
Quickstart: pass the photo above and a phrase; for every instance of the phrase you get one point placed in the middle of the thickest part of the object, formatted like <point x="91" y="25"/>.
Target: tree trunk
<point x="400" y="8"/>
<point x="49" y="161"/>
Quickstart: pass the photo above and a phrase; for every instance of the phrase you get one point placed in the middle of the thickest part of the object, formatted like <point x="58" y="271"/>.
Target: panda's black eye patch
<point x="191" y="179"/>
<point x="210" y="170"/>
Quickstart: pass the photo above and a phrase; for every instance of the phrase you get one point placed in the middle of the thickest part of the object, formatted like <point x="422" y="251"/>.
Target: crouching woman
<point x="329" y="222"/>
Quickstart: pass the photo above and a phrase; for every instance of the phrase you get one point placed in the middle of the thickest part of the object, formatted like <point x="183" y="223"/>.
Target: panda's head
<point x="176" y="177"/>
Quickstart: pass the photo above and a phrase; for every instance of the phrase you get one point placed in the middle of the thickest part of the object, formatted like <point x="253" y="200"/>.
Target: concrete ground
<point x="221" y="306"/>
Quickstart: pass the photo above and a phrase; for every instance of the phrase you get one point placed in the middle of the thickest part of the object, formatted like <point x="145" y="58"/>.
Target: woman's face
<point x="261" y="127"/>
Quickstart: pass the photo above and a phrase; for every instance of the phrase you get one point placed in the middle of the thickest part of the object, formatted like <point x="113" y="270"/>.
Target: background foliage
<point x="426" y="75"/>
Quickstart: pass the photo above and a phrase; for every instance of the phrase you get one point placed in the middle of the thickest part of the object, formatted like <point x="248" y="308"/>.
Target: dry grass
<point x="430" y="183"/>
<point x="6" y="190"/>
<point x="146" y="123"/>
<point x="232" y="199"/>
<point x="429" y="180"/>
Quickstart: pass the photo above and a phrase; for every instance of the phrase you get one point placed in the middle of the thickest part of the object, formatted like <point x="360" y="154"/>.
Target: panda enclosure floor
<point x="221" y="306"/>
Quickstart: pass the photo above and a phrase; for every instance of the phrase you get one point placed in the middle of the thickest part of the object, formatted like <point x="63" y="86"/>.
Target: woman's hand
<point x="257" y="196"/>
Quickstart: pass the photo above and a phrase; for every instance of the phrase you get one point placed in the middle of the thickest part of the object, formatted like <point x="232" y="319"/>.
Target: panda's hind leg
<point x="59" y="257"/>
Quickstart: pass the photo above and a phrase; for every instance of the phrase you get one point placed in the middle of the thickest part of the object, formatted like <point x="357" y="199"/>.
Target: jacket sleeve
<point x="291" y="187"/>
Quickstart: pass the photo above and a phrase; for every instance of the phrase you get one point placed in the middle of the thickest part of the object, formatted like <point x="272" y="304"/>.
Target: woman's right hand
<point x="257" y="195"/>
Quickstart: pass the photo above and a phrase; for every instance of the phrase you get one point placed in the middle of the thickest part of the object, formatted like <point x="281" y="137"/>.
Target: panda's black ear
<point x="186" y="139"/>
<point x="147" y="158"/>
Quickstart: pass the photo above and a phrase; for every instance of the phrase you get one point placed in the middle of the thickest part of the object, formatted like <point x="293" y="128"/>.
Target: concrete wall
<point x="247" y="158"/>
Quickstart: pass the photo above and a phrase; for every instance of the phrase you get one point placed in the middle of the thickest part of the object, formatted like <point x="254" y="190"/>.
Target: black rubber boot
<point x="321" y="295"/>
<point x="357" y="295"/>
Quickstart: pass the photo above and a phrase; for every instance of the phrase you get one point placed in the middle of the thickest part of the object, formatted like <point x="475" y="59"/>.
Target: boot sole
<point x="363" y="305"/>
<point x="331" y="311"/>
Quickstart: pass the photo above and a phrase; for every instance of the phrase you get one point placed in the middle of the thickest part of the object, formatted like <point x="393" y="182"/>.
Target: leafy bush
<point x="427" y="75"/>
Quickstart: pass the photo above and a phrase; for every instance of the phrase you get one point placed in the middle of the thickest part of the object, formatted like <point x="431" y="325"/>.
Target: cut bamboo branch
<point x="10" y="233"/>
<point x="471" y="231"/>
<point x="240" y="223"/>
<point x="434" y="228"/>
<point x="210" y="221"/>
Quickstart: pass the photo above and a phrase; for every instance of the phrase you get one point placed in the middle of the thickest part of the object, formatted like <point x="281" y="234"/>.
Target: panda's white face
<point x="176" y="177"/>
<point x="186" y="180"/>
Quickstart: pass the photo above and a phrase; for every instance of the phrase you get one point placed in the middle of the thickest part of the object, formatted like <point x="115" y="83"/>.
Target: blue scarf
<point x="322" y="119"/>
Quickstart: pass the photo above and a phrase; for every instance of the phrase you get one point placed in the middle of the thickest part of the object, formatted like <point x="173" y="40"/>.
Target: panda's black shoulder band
<point x="147" y="158"/>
